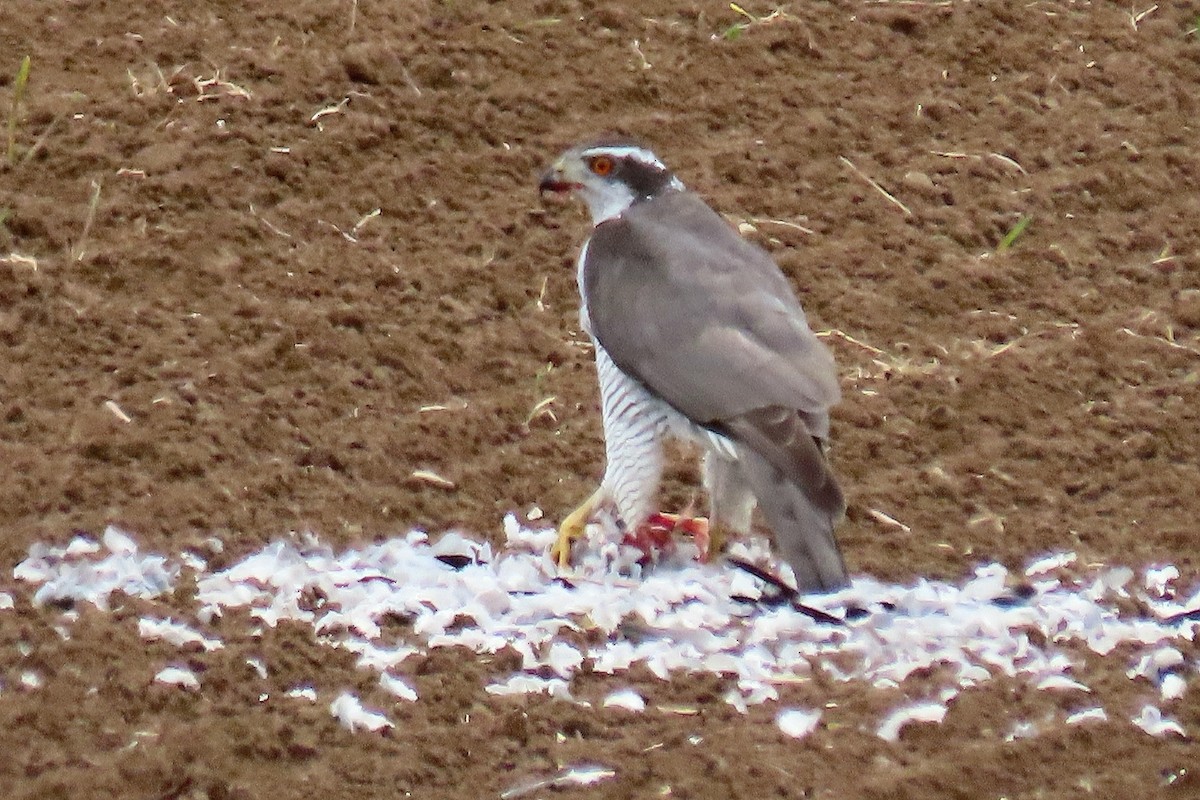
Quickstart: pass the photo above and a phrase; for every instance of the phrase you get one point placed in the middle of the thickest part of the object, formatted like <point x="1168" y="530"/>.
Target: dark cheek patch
<point x="645" y="180"/>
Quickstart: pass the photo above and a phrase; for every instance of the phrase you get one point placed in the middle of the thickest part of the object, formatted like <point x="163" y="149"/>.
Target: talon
<point x="573" y="527"/>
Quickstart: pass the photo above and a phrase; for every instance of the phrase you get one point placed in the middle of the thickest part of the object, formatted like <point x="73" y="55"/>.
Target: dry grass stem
<point x="876" y="186"/>
<point x="847" y="337"/>
<point x="271" y="227"/>
<point x="77" y="251"/>
<point x="457" y="404"/>
<point x="336" y="108"/>
<point x="1008" y="161"/>
<point x="19" y="260"/>
<point x="433" y="479"/>
<point x="542" y="409"/>
<point x="1169" y="342"/>
<point x="637" y="48"/>
<point x="408" y="78"/>
<point x="219" y="86"/>
<point x="117" y="411"/>
<point x="370" y="215"/>
<point x="340" y="232"/>
<point x="148" y="87"/>
<point x="41" y="140"/>
<point x="989" y="518"/>
<point x="783" y="222"/>
<point x="1136" y="16"/>
<point x="887" y="519"/>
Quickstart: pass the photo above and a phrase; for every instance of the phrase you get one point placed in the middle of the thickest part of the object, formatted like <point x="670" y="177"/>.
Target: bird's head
<point x="609" y="177"/>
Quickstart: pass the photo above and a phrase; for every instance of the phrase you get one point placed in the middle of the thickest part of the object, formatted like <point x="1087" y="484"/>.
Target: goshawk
<point x="698" y="335"/>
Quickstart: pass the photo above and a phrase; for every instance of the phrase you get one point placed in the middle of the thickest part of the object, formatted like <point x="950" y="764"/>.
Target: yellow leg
<point x="573" y="527"/>
<point x="716" y="540"/>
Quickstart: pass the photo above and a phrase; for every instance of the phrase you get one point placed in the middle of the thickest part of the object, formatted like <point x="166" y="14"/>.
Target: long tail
<point x="802" y="521"/>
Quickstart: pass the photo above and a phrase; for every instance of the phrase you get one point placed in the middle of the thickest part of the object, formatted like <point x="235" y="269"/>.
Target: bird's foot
<point x="573" y="527"/>
<point x="660" y="529"/>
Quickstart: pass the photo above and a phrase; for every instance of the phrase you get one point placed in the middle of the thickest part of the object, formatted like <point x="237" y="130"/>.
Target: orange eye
<point x="601" y="165"/>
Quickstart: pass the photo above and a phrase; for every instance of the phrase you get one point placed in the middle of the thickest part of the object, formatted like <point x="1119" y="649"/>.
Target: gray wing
<point x="702" y="317"/>
<point x="707" y="322"/>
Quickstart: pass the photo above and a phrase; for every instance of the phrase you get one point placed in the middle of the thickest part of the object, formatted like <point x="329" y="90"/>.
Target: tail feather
<point x="803" y="524"/>
<point x="787" y="471"/>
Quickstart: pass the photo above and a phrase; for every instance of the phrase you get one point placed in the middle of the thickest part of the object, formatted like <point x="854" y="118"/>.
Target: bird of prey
<point x="699" y="336"/>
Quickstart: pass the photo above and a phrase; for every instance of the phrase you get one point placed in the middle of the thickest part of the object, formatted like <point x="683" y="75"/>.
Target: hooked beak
<point x="554" y="181"/>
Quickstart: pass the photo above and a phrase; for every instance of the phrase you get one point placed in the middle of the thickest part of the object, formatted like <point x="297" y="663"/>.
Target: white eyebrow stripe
<point x="637" y="153"/>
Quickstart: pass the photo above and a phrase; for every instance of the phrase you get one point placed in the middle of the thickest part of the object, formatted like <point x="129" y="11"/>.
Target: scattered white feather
<point x="1087" y="715"/>
<point x="563" y="659"/>
<point x="1151" y="720"/>
<point x="1050" y="563"/>
<point x="193" y="561"/>
<point x="349" y="711"/>
<point x="756" y="692"/>
<point x="178" y="676"/>
<point x="1169" y="606"/>
<point x="118" y="542"/>
<point x="889" y="729"/>
<point x="176" y="633"/>
<point x="1061" y="682"/>
<point x="259" y="666"/>
<point x="6" y="601"/>
<point x="1115" y="580"/>
<point x="583" y="775"/>
<point x="380" y="659"/>
<point x="1159" y="579"/>
<point x="529" y="684"/>
<point x="797" y="722"/>
<point x="398" y="687"/>
<point x="576" y="775"/>
<point x="31" y="680"/>
<point x="627" y="699"/>
<point x="1172" y="686"/>
<point x="69" y="573"/>
<point x="81" y="545"/>
<point x="303" y="693"/>
<point x="1154" y="662"/>
<point x="676" y="616"/>
<point x="734" y="698"/>
<point x="1021" y="729"/>
<point x="455" y="544"/>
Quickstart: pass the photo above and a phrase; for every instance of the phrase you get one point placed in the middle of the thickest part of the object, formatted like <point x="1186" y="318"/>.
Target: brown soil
<point x="273" y="344"/>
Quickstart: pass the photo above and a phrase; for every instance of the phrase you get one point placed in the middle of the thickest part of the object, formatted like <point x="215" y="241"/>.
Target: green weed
<point x="738" y="28"/>
<point x="18" y="97"/>
<point x="1011" y="237"/>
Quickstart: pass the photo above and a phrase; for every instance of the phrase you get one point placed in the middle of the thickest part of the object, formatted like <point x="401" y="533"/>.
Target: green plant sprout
<point x="736" y="29"/>
<point x="19" y="85"/>
<point x="1011" y="237"/>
